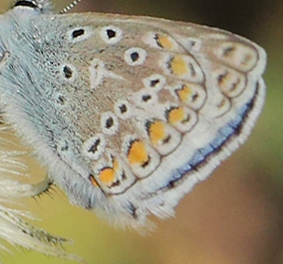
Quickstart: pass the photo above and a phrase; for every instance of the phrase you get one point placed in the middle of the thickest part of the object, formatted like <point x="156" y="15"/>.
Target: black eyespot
<point x="146" y="97"/>
<point x="78" y="33"/>
<point x="111" y="33"/>
<point x="123" y="108"/>
<point x="135" y="56"/>
<point x="94" y="147"/>
<point x="68" y="72"/>
<point x="31" y="4"/>
<point x="153" y="83"/>
<point x="109" y="122"/>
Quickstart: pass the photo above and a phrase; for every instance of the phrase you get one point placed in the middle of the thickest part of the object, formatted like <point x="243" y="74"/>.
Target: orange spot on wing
<point x="178" y="65"/>
<point x="157" y="132"/>
<point x="176" y="115"/>
<point x="107" y="175"/>
<point x="185" y="93"/>
<point x="137" y="153"/>
<point x="165" y="42"/>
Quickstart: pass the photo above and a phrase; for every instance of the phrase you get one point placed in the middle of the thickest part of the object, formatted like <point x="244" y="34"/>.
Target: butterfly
<point x="127" y="113"/>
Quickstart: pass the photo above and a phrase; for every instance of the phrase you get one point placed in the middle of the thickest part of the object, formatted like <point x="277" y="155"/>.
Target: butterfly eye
<point x="31" y="4"/>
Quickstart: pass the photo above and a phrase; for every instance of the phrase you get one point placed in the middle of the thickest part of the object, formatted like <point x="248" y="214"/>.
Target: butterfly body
<point x="127" y="113"/>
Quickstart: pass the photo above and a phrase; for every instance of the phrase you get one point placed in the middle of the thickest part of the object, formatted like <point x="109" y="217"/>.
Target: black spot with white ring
<point x="155" y="82"/>
<point x="67" y="72"/>
<point x="94" y="147"/>
<point x="123" y="109"/>
<point x="111" y="34"/>
<point x="78" y="33"/>
<point x="145" y="98"/>
<point x="135" y="56"/>
<point x="109" y="123"/>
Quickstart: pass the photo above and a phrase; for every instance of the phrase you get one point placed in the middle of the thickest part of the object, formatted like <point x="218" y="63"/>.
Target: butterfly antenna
<point x="70" y="6"/>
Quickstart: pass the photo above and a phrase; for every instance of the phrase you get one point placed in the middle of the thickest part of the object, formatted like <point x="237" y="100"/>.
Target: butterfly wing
<point x="139" y="109"/>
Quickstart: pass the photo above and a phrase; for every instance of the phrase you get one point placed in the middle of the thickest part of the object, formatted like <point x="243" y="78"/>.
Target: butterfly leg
<point x="41" y="187"/>
<point x="31" y="190"/>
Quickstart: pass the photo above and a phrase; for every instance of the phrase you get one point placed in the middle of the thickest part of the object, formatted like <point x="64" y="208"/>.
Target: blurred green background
<point x="236" y="216"/>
